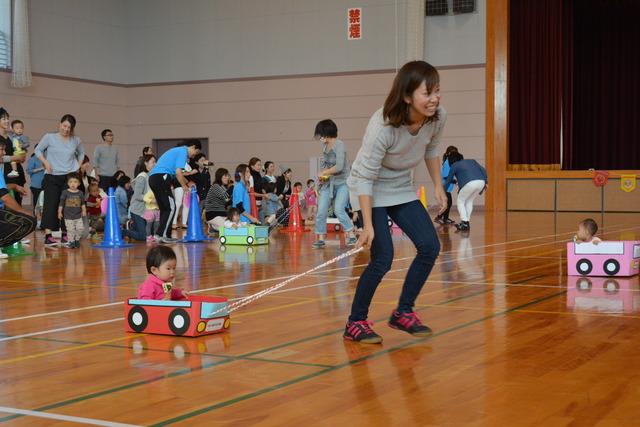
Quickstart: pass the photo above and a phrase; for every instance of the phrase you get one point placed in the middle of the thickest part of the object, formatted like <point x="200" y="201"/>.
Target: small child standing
<point x="122" y="199"/>
<point x="72" y="208"/>
<point x="161" y="266"/>
<point x="587" y="230"/>
<point x="20" y="144"/>
<point x="311" y="199"/>
<point x="233" y="219"/>
<point x="151" y="215"/>
<point x="94" y="208"/>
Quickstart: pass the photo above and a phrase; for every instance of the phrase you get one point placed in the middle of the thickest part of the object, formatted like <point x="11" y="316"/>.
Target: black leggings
<point x="53" y="186"/>
<point x="35" y="193"/>
<point x="445" y="214"/>
<point x="161" y="187"/>
<point x="14" y="226"/>
<point x="212" y="214"/>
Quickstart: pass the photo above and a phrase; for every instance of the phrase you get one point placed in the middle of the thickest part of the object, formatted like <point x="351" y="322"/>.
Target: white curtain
<point x="21" y="62"/>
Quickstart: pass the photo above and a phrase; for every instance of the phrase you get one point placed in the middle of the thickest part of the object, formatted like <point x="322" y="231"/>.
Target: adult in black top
<point x="200" y="175"/>
<point x="283" y="187"/>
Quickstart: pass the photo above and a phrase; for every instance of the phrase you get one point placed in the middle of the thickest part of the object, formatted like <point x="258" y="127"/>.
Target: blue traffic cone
<point x="195" y="255"/>
<point x="112" y="234"/>
<point x="194" y="224"/>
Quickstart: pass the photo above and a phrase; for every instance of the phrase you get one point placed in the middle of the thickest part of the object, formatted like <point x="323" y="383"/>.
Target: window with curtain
<point x="5" y="33"/>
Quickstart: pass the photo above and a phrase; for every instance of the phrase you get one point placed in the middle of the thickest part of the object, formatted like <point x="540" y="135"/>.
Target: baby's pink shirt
<point x="152" y="289"/>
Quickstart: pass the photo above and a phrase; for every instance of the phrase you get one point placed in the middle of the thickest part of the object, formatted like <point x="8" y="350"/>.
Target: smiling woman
<point x="399" y="135"/>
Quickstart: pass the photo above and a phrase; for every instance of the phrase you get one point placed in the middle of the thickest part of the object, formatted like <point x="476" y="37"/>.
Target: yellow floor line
<point x="66" y="349"/>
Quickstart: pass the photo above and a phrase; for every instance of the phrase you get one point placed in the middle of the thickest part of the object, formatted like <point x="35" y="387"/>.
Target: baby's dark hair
<point x="159" y="254"/>
<point x="231" y="212"/>
<point x="297" y="184"/>
<point x="590" y="225"/>
<point x="309" y="181"/>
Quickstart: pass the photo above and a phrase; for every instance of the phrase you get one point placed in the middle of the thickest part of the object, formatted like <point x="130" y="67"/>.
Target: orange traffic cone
<point x="295" y="217"/>
<point x="254" y="206"/>
<point x="422" y="196"/>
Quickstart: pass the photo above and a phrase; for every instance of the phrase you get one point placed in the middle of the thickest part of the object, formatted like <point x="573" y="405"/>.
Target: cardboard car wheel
<point x="223" y="239"/>
<point x="583" y="285"/>
<point x="179" y="321"/>
<point x="226" y="324"/>
<point x="611" y="287"/>
<point x="138" y="319"/>
<point x="250" y="240"/>
<point x="337" y="227"/>
<point x="584" y="266"/>
<point x="611" y="267"/>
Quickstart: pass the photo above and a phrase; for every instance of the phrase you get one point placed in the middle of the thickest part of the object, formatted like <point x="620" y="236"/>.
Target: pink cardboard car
<point x="603" y="294"/>
<point x="604" y="259"/>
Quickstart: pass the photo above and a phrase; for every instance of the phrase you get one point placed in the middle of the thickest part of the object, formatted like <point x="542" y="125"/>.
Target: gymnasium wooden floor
<point x="515" y="343"/>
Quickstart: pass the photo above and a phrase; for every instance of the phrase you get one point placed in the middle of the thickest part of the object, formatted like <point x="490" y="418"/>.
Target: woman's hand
<point x="47" y="166"/>
<point x="21" y="190"/>
<point x="366" y="238"/>
<point x="441" y="198"/>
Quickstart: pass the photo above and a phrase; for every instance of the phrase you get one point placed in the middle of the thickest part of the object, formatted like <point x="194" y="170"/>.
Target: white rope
<point x="251" y="298"/>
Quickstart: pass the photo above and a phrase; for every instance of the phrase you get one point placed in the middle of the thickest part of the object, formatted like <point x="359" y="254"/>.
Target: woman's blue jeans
<point x="340" y="196"/>
<point x="414" y="220"/>
<point x="139" y="230"/>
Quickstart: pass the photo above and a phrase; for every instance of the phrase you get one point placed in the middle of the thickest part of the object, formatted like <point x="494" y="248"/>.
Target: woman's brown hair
<point x="408" y="79"/>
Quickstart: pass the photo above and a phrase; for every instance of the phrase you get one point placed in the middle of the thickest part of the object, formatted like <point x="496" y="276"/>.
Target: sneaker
<point x="13" y="174"/>
<point x="64" y="239"/>
<point x="463" y="226"/>
<point x="318" y="244"/>
<point x="50" y="241"/>
<point x="409" y="322"/>
<point x="76" y="244"/>
<point x="151" y="239"/>
<point x="361" y="331"/>
<point x="351" y="241"/>
<point x="449" y="221"/>
<point x="440" y="220"/>
<point x="167" y="240"/>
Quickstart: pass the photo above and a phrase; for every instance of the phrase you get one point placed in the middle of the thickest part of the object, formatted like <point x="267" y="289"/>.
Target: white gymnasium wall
<point x="86" y="39"/>
<point x="456" y="39"/>
<point x="205" y="39"/>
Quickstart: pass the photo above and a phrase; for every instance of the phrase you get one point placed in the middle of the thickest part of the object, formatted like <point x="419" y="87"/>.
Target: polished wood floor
<point x="515" y="343"/>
